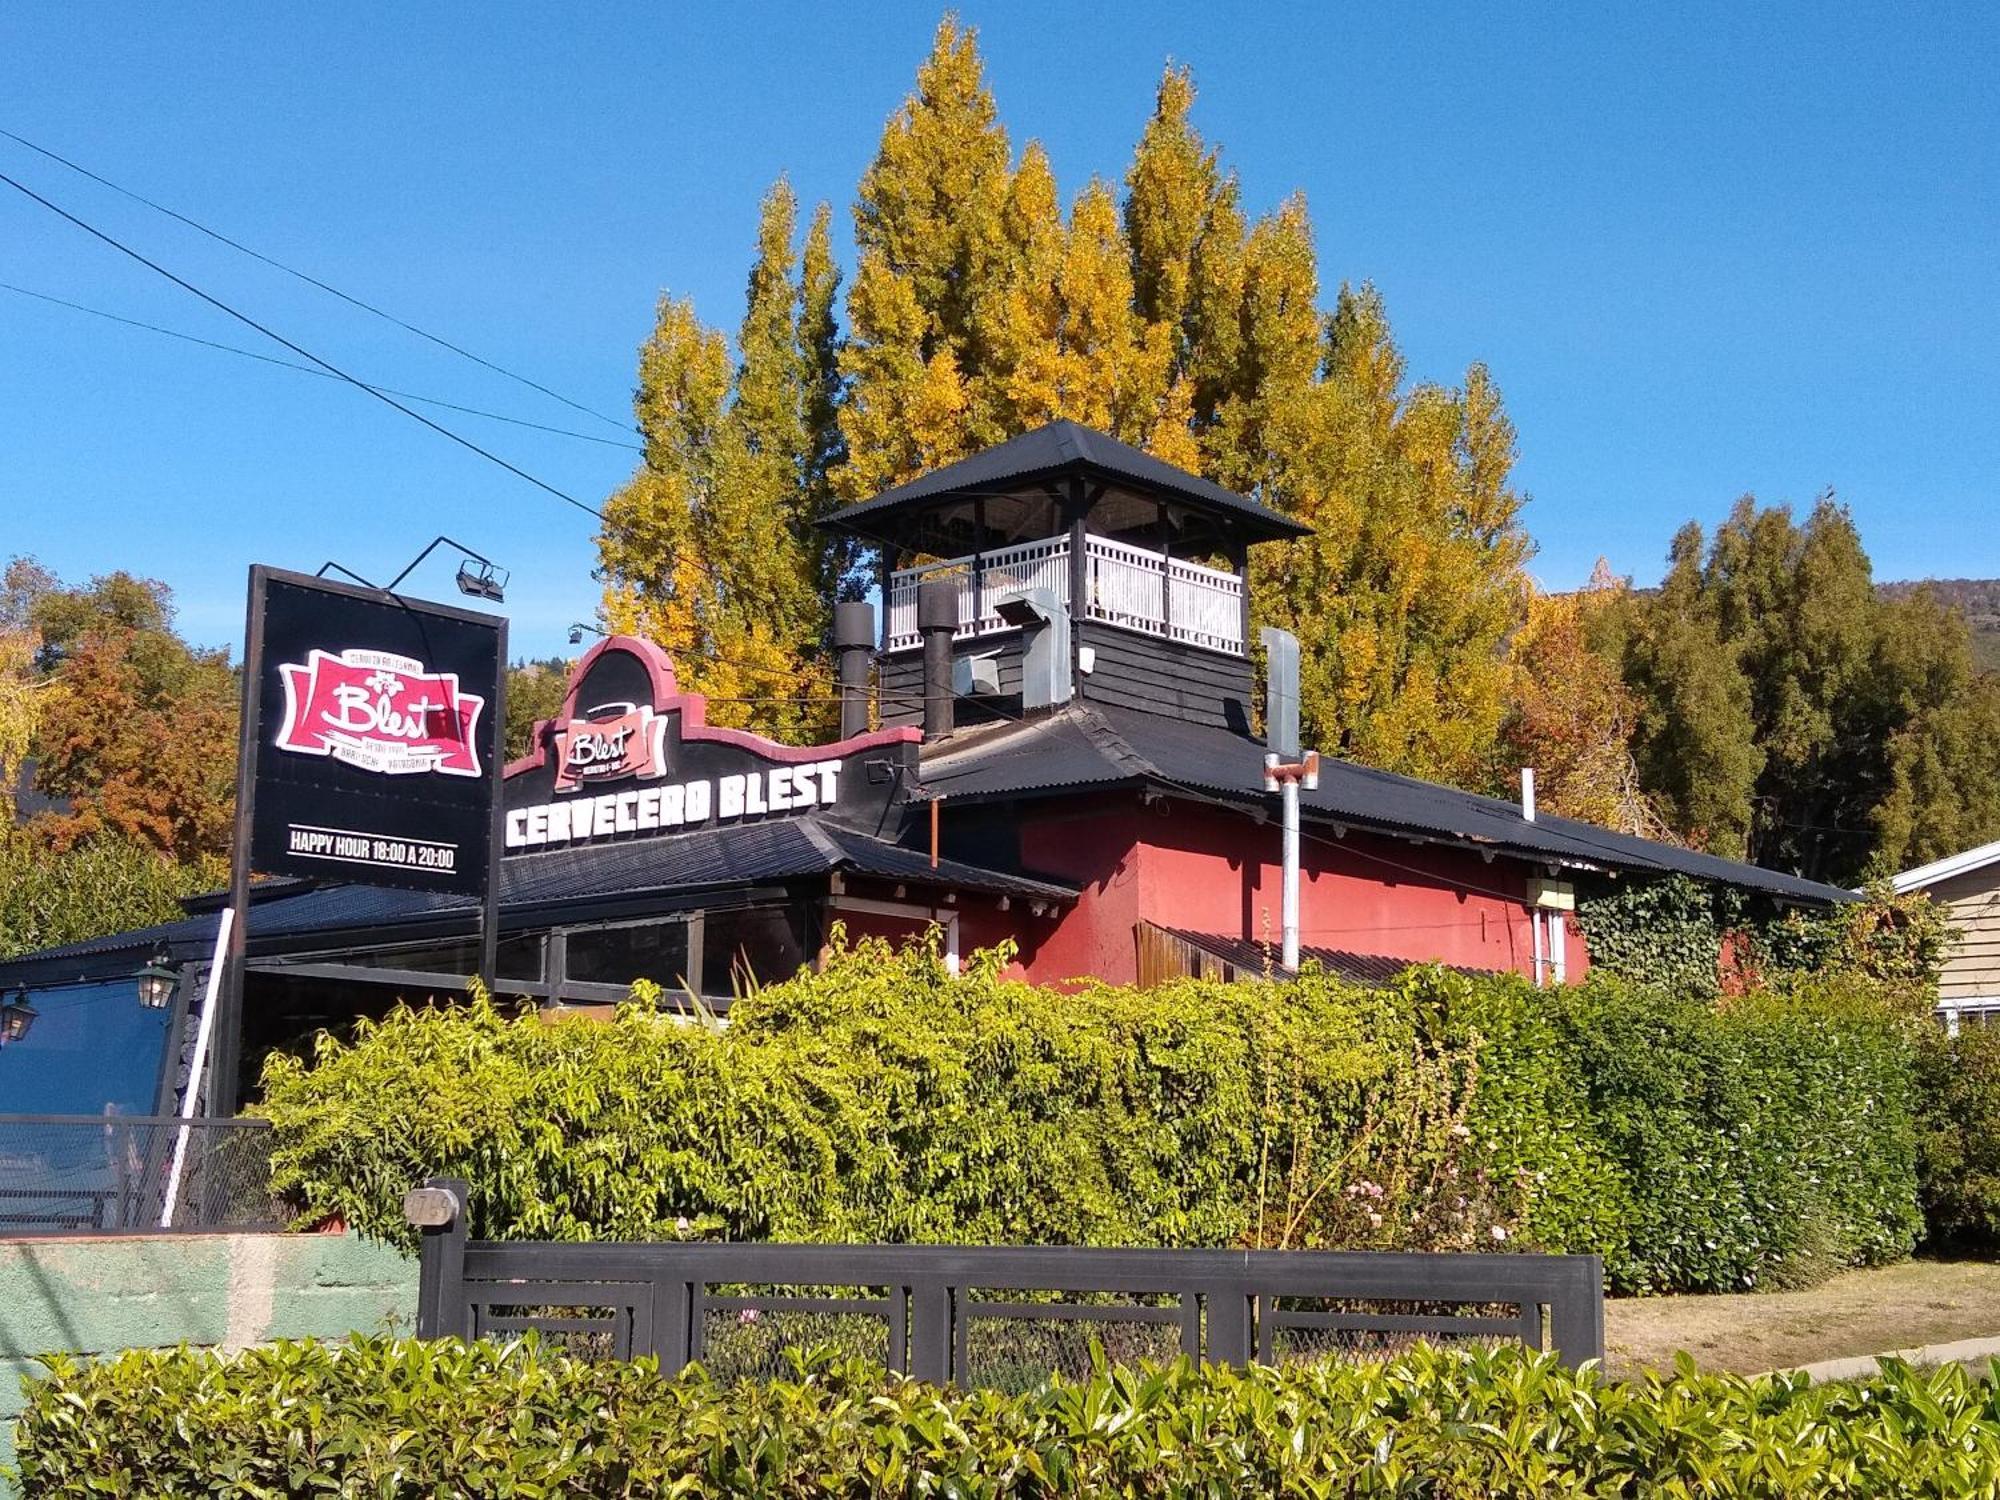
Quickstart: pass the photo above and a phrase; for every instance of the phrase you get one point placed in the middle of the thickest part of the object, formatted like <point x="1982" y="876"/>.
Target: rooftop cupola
<point x="1145" y="563"/>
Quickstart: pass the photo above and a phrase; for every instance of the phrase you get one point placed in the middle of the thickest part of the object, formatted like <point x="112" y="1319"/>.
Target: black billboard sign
<point x="376" y="756"/>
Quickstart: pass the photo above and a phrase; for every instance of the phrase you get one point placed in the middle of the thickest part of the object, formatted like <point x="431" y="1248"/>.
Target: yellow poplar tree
<point x="710" y="548"/>
<point x="980" y="309"/>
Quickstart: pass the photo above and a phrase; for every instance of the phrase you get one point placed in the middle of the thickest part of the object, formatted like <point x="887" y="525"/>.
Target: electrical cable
<point x="286" y="364"/>
<point x="245" y="318"/>
<point x="334" y="291"/>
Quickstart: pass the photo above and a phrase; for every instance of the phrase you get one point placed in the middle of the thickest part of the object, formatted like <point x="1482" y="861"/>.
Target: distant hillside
<point x="1978" y="597"/>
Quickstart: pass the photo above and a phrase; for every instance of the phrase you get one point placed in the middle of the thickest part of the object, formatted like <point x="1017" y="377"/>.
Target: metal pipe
<point x="936" y="803"/>
<point x="1291" y="876"/>
<point x="937" y="621"/>
<point x="854" y="650"/>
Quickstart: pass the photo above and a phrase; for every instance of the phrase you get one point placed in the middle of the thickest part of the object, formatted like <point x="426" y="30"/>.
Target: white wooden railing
<point x="1124" y="585"/>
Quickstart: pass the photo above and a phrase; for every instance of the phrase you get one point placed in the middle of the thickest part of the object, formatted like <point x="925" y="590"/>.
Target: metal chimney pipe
<point x="1528" y="793"/>
<point x="854" y="654"/>
<point x="937" y="623"/>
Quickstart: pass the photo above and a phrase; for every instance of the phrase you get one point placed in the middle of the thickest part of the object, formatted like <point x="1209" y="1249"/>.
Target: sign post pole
<point x="228" y="1024"/>
<point x="489" y="911"/>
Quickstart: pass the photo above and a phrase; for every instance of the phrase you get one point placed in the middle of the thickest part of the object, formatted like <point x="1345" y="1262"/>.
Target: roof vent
<point x="1281" y="692"/>
<point x="1045" y="664"/>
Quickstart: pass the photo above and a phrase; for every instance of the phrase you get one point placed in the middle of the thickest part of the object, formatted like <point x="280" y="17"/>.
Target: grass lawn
<point x="1857" y="1312"/>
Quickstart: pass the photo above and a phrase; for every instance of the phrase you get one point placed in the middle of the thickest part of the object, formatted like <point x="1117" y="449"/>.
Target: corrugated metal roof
<point x="1251" y="959"/>
<point x="1100" y="745"/>
<point x="1049" y="450"/>
<point x="715" y="858"/>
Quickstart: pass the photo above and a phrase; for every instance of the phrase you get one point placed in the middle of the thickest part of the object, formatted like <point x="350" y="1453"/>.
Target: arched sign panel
<point x="633" y="757"/>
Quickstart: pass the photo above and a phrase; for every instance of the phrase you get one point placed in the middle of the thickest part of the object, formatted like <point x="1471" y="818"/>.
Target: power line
<point x="286" y="364"/>
<point x="245" y="318"/>
<point x="349" y="298"/>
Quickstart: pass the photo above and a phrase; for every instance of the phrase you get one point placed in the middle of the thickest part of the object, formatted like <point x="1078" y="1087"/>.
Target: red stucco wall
<point x="1209" y="870"/>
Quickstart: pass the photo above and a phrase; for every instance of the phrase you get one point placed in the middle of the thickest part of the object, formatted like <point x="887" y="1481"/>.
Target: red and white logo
<point x="380" y="712"/>
<point x="632" y="742"/>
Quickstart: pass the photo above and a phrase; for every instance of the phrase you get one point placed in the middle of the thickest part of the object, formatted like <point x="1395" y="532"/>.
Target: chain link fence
<point x="134" y="1174"/>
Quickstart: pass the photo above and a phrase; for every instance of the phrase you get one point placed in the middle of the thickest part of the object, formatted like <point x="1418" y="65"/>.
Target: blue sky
<point x="1705" y="251"/>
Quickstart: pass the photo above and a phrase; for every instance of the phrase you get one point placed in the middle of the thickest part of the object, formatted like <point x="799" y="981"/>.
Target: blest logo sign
<point x="375" y="755"/>
<point x="631" y="743"/>
<point x="379" y="712"/>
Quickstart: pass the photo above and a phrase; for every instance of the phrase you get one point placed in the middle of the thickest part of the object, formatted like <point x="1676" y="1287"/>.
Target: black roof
<point x="536" y="890"/>
<point x="1061" y="448"/>
<point x="1093" y="746"/>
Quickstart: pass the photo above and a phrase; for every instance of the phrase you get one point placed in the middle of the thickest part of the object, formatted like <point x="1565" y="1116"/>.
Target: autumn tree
<point x="711" y="548"/>
<point x="130" y="728"/>
<point x="980" y="310"/>
<point x="1571" y="717"/>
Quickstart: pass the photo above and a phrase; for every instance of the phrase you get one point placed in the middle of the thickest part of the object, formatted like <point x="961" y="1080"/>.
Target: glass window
<point x="763" y="944"/>
<point x="519" y="957"/>
<point x="619" y="955"/>
<point x="90" y="1048"/>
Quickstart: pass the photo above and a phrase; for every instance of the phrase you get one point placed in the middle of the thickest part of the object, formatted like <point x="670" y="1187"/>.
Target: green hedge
<point x="1695" y="1145"/>
<point x="387" y="1419"/>
<point x="1959" y="1138"/>
<point x="1763" y="1140"/>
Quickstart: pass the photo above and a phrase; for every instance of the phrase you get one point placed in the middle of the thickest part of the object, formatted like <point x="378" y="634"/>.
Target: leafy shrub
<point x="880" y="1099"/>
<point x="1959" y="1137"/>
<point x="1897" y="940"/>
<point x="388" y="1419"/>
<point x="1694" y="1146"/>
<point x="1765" y="1141"/>
<point x="101" y="886"/>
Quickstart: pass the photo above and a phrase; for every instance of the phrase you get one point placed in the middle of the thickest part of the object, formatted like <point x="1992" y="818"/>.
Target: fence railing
<point x="1124" y="585"/>
<point x="1001" y="1318"/>
<point x="113" y="1174"/>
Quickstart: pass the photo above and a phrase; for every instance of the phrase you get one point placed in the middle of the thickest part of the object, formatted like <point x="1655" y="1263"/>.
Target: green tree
<point x="1792" y="713"/>
<point x="1696" y="741"/>
<point x="535" y="692"/>
<point x="100" y="886"/>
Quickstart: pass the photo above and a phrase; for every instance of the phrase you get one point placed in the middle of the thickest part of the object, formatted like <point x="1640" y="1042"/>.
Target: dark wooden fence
<point x="991" y="1316"/>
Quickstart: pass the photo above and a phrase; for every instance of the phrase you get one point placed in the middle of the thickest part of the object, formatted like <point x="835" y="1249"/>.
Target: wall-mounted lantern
<point x="156" y="985"/>
<point x="16" y="1016"/>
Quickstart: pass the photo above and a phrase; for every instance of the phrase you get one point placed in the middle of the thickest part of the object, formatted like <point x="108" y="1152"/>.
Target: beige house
<point x="1969" y="885"/>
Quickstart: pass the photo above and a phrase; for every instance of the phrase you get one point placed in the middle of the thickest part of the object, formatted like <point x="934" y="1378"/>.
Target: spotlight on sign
<point x="481" y="581"/>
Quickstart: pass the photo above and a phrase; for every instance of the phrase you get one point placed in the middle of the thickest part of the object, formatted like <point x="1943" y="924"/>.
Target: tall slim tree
<point x="711" y="548"/>
<point x="982" y="307"/>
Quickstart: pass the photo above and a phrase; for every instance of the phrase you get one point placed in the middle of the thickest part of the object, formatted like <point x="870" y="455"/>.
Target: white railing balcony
<point x="1124" y="585"/>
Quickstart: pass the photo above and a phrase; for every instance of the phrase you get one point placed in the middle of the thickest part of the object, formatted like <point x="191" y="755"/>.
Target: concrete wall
<point x="95" y="1296"/>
